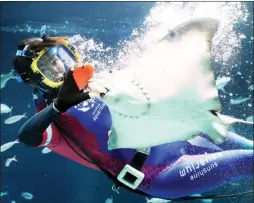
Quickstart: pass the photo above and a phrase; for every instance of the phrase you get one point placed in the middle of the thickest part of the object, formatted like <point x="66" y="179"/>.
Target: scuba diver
<point x="72" y="121"/>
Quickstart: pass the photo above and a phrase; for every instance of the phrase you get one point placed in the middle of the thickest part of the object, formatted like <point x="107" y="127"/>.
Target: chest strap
<point x="131" y="174"/>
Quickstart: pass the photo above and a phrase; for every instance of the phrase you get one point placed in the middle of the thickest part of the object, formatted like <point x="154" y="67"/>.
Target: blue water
<point x="52" y="178"/>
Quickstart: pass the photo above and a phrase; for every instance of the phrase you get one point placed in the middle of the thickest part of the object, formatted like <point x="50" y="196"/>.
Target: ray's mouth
<point x="126" y="115"/>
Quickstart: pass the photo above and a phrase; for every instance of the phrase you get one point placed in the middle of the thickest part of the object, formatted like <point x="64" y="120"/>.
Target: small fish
<point x="12" y="201"/>
<point x="239" y="100"/>
<point x="196" y="195"/>
<point x="14" y="119"/>
<point x="3" y="194"/>
<point x="5" y="109"/>
<point x="27" y="195"/>
<point x="157" y="200"/>
<point x="46" y="150"/>
<point x="242" y="36"/>
<point x="251" y="87"/>
<point x="8" y="145"/>
<point x="109" y="200"/>
<point x="8" y="161"/>
<point x="207" y="200"/>
<point x="6" y="77"/>
<point x="221" y="82"/>
<point x="203" y="200"/>
<point x="249" y="119"/>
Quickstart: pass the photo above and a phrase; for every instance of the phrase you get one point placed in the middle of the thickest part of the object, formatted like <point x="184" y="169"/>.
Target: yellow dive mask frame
<point x="44" y="79"/>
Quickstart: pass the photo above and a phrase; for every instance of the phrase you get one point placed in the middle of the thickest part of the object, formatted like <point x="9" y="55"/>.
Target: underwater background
<point x="110" y="31"/>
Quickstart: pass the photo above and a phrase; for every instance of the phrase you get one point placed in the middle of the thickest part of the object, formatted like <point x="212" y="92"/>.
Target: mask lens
<point x="55" y="62"/>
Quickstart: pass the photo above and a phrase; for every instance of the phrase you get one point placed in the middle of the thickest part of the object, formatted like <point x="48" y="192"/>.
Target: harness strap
<point x="131" y="174"/>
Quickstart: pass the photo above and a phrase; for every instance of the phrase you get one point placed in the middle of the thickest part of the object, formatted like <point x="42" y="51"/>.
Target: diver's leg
<point x="201" y="173"/>
<point x="233" y="141"/>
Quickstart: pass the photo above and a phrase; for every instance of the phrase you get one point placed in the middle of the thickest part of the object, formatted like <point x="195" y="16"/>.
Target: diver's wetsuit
<point x="172" y="170"/>
<point x="31" y="133"/>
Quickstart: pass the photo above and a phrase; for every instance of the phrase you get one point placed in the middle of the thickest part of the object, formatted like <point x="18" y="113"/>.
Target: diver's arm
<point x="70" y="94"/>
<point x="31" y="133"/>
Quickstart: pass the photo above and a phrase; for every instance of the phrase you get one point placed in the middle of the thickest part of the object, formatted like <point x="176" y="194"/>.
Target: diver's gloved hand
<point x="71" y="92"/>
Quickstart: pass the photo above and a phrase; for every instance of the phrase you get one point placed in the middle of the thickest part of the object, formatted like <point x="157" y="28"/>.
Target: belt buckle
<point x="128" y="172"/>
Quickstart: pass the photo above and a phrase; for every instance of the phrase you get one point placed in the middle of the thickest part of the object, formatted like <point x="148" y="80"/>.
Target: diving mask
<point x="54" y="62"/>
<point x="47" y="67"/>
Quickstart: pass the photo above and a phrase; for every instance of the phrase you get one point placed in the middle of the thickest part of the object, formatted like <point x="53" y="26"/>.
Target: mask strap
<point x="19" y="79"/>
<point x="43" y="34"/>
<point x="22" y="52"/>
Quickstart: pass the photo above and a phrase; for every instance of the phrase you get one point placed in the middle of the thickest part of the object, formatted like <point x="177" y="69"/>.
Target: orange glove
<point x="82" y="75"/>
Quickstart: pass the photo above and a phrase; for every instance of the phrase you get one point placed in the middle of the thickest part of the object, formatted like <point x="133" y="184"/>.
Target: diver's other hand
<point x="93" y="95"/>
<point x="71" y="92"/>
<point x="96" y="89"/>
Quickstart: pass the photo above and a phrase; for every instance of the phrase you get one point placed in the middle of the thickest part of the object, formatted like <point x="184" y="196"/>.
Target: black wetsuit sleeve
<point x="31" y="133"/>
